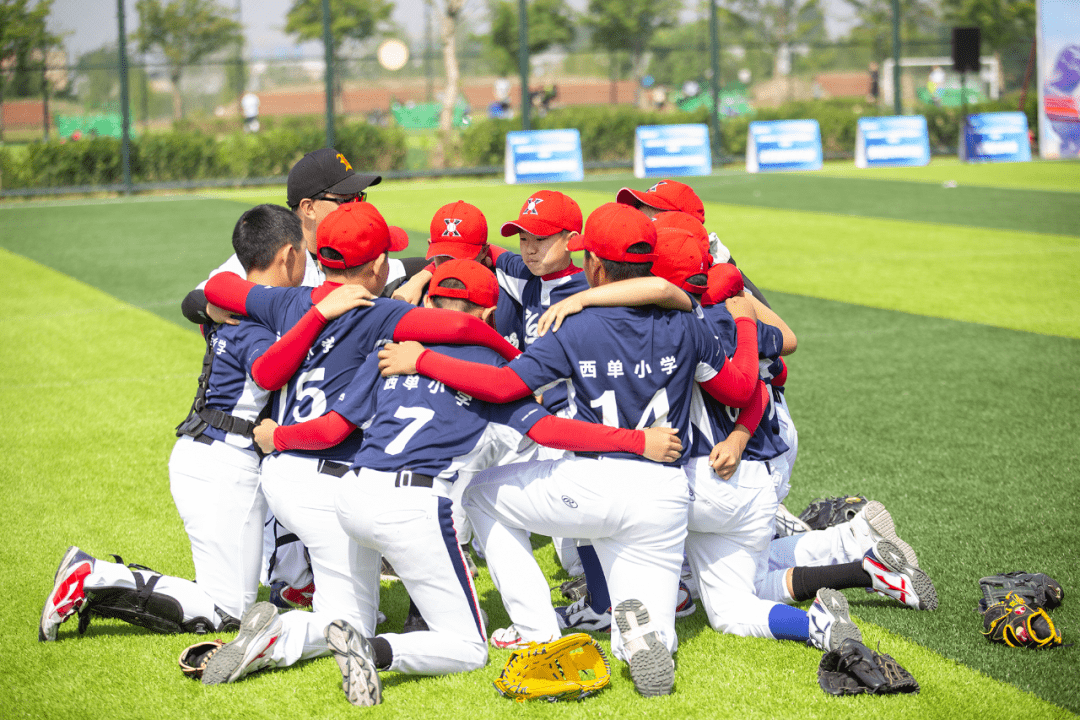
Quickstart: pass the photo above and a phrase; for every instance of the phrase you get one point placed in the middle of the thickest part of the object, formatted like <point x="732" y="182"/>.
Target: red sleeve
<point x="451" y="327"/>
<point x="781" y="377"/>
<point x="228" y="290"/>
<point x="323" y="432"/>
<point x="563" y="434"/>
<point x="282" y="359"/>
<point x="750" y="416"/>
<point x="487" y="383"/>
<point x="495" y="251"/>
<point x="734" y="385"/>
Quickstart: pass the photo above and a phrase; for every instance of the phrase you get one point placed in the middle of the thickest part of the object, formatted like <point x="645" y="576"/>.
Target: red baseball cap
<point x="481" y="287"/>
<point x="679" y="258"/>
<point x="688" y="223"/>
<point x="545" y="213"/>
<point x="458" y="230"/>
<point x="359" y="232"/>
<point x="665" y="195"/>
<point x="611" y="229"/>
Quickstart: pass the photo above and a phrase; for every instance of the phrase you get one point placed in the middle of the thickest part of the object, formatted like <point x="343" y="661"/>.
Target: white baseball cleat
<point x="787" y="523"/>
<point x="67" y="596"/>
<point x="872" y="524"/>
<point x="651" y="666"/>
<point x="250" y="652"/>
<point x="356" y="659"/>
<point x="508" y="638"/>
<point x="893" y="576"/>
<point x="685" y="605"/>
<point x="830" y="623"/>
<point x="581" y="617"/>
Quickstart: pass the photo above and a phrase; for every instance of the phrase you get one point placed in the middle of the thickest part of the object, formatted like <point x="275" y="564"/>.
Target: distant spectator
<point x="937" y="77"/>
<point x="874" y="93"/>
<point x="249" y="105"/>
<point x="659" y="97"/>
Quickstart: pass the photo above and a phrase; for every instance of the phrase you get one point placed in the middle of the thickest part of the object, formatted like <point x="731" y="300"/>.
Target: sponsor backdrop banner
<point x="783" y="145"/>
<point x="544" y="156"/>
<point x="1059" y="78"/>
<point x="672" y="150"/>
<point x="996" y="137"/>
<point x="892" y="142"/>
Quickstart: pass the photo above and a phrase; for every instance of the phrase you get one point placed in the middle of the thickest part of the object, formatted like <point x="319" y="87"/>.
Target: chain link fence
<point x="60" y="99"/>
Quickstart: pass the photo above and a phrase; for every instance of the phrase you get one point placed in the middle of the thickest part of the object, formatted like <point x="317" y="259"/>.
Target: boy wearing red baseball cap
<point x="626" y="367"/>
<point x="543" y="273"/>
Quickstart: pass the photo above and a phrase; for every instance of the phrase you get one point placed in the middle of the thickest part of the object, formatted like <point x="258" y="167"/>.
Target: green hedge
<point x="607" y="132"/>
<point x="190" y="154"/>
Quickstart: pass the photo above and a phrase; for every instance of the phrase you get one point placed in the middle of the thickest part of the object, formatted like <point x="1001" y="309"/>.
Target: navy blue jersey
<point x="713" y="420"/>
<point x="534" y="294"/>
<point x="628" y="367"/>
<point x="342" y="346"/>
<point x="414" y="422"/>
<point x="231" y="389"/>
<point x="508" y="320"/>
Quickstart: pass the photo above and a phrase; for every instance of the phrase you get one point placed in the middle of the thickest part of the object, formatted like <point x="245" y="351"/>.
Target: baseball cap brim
<point x="536" y="226"/>
<point x="636" y="198"/>
<point x="461" y="251"/>
<point x="575" y="243"/>
<point x="399" y="239"/>
<point x="354" y="184"/>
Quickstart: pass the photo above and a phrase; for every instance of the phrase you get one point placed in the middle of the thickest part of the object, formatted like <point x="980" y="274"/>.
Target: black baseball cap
<point x="325" y="170"/>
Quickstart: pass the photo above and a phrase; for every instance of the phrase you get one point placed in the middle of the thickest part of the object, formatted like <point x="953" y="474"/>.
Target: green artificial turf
<point x="966" y="430"/>
<point x="93" y="387"/>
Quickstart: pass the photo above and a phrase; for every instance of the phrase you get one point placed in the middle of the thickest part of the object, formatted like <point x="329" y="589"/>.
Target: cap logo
<point x="653" y="188"/>
<point x="343" y="161"/>
<point x="530" y="206"/>
<point x="451" y="227"/>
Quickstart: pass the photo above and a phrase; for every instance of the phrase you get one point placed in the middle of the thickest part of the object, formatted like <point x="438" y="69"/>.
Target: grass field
<point x="938" y="371"/>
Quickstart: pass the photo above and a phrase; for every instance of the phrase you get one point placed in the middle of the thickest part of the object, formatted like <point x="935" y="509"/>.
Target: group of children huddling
<point x="631" y="408"/>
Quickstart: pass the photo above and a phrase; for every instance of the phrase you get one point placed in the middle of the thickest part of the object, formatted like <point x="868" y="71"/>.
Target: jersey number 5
<point x="318" y="398"/>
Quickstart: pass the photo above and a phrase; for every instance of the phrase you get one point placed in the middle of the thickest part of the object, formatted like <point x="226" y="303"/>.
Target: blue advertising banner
<point x="996" y="137"/>
<point x="667" y="150"/>
<point x="893" y="141"/>
<point x="544" y="156"/>
<point x="783" y="145"/>
<point x="1058" y="34"/>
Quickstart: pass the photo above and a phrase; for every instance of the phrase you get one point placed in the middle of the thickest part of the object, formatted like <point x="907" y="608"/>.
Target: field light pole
<point x="124" y="110"/>
<point x="714" y="57"/>
<point x="328" y="43"/>
<point x="896" y="56"/>
<point x="523" y="63"/>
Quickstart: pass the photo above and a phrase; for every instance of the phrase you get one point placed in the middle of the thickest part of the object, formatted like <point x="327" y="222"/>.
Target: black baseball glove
<point x="826" y="512"/>
<point x="1037" y="590"/>
<point x="853" y="669"/>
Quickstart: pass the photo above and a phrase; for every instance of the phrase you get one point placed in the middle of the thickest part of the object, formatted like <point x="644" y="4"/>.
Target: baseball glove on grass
<point x="1038" y="590"/>
<point x="193" y="658"/>
<point x="826" y="512"/>
<point x="1017" y="624"/>
<point x="570" y="668"/>
<point x="853" y="669"/>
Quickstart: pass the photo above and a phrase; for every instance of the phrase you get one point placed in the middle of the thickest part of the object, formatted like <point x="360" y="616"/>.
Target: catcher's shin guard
<point x="144" y="605"/>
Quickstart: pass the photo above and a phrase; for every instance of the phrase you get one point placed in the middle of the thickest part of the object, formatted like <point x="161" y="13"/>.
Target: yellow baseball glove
<point x="570" y="668"/>
<point x="1017" y="624"/>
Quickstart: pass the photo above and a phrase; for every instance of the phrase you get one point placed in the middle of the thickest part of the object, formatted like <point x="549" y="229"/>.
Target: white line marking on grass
<point x="38" y="204"/>
<point x="128" y="307"/>
<point x="99" y="381"/>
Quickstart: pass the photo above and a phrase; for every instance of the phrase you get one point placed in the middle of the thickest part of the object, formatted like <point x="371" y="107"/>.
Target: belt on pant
<point x="408" y="478"/>
<point x="204" y="439"/>
<point x="335" y="469"/>
<point x="589" y="455"/>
